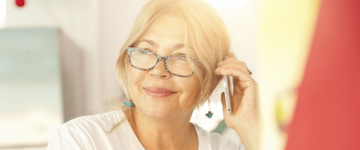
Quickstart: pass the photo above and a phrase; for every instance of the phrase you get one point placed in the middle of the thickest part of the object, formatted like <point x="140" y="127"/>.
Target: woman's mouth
<point x="158" y="92"/>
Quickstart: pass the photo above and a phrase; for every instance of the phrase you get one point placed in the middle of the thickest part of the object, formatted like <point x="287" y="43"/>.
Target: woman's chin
<point x="159" y="107"/>
<point x="158" y="115"/>
<point x="159" y="111"/>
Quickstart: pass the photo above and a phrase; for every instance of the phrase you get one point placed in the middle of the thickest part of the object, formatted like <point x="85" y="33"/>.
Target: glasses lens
<point x="179" y="65"/>
<point x="142" y="59"/>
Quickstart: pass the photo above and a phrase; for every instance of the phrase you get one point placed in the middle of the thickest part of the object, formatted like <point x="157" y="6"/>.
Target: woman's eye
<point x="139" y="52"/>
<point x="181" y="56"/>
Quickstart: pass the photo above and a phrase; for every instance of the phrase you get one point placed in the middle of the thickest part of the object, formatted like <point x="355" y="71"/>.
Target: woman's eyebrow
<point x="152" y="43"/>
<point x="178" y="46"/>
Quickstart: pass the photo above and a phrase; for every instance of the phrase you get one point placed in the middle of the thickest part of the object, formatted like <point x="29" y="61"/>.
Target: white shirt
<point x="88" y="133"/>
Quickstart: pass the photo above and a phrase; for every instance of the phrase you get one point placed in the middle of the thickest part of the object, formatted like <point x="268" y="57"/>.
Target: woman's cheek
<point x="190" y="86"/>
<point x="135" y="78"/>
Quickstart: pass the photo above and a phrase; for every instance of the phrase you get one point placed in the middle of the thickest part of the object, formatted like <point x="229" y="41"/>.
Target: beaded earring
<point x="129" y="104"/>
<point x="209" y="114"/>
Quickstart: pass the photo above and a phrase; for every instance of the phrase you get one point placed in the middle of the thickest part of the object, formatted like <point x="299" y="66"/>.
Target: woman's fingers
<point x="242" y="75"/>
<point x="245" y="79"/>
<point x="232" y="66"/>
<point x="236" y="68"/>
<point x="229" y="60"/>
<point x="233" y="63"/>
<point x="232" y="55"/>
<point x="239" y="66"/>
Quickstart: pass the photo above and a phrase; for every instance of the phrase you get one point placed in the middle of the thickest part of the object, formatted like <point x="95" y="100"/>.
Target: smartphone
<point x="229" y="89"/>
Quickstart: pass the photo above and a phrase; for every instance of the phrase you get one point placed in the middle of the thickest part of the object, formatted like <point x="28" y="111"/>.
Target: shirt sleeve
<point x="67" y="139"/>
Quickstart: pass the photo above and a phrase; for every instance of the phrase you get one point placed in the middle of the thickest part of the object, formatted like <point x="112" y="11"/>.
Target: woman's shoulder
<point x="103" y="121"/>
<point x="213" y="141"/>
<point x="88" y="132"/>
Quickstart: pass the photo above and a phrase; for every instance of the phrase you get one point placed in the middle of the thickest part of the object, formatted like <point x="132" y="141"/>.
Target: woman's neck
<point x="170" y="133"/>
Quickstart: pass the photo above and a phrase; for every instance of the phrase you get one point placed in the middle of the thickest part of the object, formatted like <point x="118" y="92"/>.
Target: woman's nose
<point x="160" y="70"/>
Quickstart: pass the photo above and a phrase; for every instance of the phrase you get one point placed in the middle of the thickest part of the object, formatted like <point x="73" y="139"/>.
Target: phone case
<point x="229" y="89"/>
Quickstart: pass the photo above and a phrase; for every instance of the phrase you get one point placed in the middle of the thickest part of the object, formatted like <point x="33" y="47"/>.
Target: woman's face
<point x="156" y="92"/>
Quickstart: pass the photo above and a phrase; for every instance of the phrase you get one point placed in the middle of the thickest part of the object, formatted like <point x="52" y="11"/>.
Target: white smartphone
<point x="229" y="89"/>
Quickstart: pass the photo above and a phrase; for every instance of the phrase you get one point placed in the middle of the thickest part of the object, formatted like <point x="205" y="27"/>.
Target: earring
<point x="129" y="104"/>
<point x="209" y="114"/>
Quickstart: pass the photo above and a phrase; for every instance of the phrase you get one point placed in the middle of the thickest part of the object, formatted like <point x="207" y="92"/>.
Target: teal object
<point x="131" y="104"/>
<point x="209" y="114"/>
<point x="220" y="128"/>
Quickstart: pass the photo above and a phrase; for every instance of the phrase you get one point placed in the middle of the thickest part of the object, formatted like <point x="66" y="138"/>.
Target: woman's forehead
<point x="158" y="42"/>
<point x="165" y="32"/>
<point x="165" y="29"/>
<point x="167" y="24"/>
<point x="155" y="43"/>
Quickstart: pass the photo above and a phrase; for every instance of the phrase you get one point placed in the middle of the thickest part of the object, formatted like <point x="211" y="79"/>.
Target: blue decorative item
<point x="131" y="104"/>
<point x="209" y="114"/>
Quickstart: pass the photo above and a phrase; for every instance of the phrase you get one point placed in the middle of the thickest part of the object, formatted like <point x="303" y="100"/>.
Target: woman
<point x="170" y="64"/>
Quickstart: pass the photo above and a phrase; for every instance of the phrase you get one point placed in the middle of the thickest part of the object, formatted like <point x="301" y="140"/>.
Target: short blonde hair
<point x="205" y="32"/>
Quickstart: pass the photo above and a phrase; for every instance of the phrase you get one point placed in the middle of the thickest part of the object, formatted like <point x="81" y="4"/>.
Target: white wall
<point x="116" y="20"/>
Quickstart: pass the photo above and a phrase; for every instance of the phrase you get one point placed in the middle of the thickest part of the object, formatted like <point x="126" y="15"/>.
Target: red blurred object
<point x="20" y="3"/>
<point x="327" y="115"/>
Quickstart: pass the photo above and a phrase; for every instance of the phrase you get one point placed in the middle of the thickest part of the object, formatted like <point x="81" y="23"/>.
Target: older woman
<point x="170" y="64"/>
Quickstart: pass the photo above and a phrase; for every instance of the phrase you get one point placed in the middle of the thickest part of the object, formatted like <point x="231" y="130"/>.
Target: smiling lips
<point x="158" y="92"/>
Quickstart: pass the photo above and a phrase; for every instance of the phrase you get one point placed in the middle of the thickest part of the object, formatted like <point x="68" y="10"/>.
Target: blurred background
<point x="57" y="62"/>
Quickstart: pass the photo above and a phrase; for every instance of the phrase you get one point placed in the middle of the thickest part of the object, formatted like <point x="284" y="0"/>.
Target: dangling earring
<point x="129" y="104"/>
<point x="209" y="114"/>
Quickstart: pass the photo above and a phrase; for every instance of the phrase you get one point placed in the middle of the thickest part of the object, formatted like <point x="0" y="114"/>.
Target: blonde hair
<point x="205" y="32"/>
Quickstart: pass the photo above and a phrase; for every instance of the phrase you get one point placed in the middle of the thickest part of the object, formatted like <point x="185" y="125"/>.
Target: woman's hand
<point x="244" y="118"/>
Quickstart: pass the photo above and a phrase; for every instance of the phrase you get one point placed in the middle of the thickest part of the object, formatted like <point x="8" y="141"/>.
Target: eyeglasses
<point x="144" y="59"/>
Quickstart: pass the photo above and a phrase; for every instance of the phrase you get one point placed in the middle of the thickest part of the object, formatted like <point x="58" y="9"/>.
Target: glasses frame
<point x="130" y="49"/>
